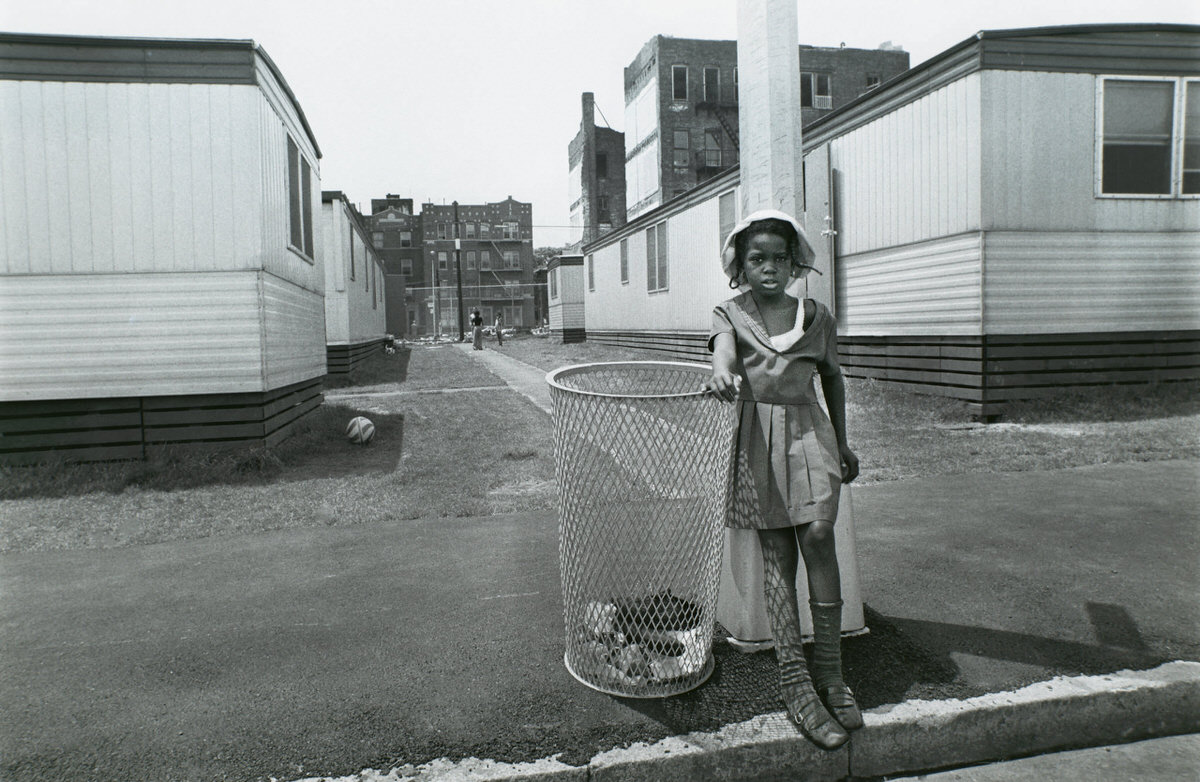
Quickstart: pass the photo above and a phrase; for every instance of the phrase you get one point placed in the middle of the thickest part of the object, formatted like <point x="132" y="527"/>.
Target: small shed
<point x="1017" y="215"/>
<point x="355" y="295"/>
<point x="161" y="280"/>
<point x="565" y="294"/>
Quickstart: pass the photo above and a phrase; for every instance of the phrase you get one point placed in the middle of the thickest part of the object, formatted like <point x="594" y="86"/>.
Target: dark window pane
<point x="306" y="206"/>
<point x="1137" y="137"/>
<point x="297" y="227"/>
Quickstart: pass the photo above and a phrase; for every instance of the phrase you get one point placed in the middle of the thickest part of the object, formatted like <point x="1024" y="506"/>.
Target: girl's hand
<point x="724" y="384"/>
<point x="849" y="463"/>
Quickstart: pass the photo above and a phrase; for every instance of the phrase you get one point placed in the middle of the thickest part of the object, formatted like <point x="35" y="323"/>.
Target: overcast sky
<point x="476" y="100"/>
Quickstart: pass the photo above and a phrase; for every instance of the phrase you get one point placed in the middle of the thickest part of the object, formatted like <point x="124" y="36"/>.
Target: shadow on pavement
<point x="898" y="660"/>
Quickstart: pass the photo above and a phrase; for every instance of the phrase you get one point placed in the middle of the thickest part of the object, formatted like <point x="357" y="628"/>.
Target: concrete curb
<point x="1063" y="713"/>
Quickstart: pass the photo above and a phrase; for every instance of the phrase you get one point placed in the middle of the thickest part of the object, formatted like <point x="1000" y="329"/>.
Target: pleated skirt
<point x="787" y="469"/>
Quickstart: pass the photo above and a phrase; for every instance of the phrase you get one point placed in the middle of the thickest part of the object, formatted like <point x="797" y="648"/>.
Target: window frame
<point x="591" y="272"/>
<point x="675" y="86"/>
<point x="715" y="96"/>
<point x="553" y="282"/>
<point x="657" y="258"/>
<point x="1177" y="141"/>
<point x="300" y="211"/>
<point x="624" y="249"/>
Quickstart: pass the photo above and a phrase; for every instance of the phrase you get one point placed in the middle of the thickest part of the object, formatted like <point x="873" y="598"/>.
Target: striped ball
<point x="360" y="430"/>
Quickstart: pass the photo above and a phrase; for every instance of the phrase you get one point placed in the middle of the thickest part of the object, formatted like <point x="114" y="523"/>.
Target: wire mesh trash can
<point x="642" y="457"/>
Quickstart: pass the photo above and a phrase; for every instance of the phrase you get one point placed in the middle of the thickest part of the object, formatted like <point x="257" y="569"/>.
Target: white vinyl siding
<point x="912" y="174"/>
<point x="91" y="336"/>
<point x="927" y="288"/>
<point x="687" y="305"/>
<point x="120" y="178"/>
<point x="1053" y="282"/>
<point x="1039" y="161"/>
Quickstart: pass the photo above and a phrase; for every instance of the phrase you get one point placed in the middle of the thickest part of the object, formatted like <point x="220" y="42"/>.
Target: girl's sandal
<point x="839" y="700"/>
<point x="805" y="711"/>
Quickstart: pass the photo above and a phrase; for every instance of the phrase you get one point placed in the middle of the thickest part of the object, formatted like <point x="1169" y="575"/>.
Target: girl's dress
<point x="787" y="469"/>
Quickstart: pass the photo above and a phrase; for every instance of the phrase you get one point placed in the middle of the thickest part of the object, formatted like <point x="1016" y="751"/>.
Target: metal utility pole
<point x="458" y="270"/>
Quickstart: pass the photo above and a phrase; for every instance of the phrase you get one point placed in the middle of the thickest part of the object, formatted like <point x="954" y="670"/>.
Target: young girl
<point x="791" y="457"/>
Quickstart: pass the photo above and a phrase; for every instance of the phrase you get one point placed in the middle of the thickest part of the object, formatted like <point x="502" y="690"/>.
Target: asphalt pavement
<point x="321" y="652"/>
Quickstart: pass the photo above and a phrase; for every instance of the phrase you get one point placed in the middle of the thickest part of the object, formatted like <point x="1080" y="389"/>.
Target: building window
<point x="375" y="295"/>
<point x="679" y="82"/>
<point x="712" y="85"/>
<point x="512" y="259"/>
<point x="553" y="283"/>
<point x="712" y="149"/>
<point x="352" y="275"/>
<point x="1150" y="131"/>
<point x="680" y="158"/>
<point x="601" y="165"/>
<point x="485" y="260"/>
<point x="470" y="230"/>
<point x="470" y="260"/>
<point x="624" y="261"/>
<point x="377" y="239"/>
<point x="406" y="266"/>
<point x="656" y="258"/>
<point x="735" y="86"/>
<point x="300" y="200"/>
<point x="602" y="209"/>
<point x="726" y="216"/>
<point x="814" y="91"/>
<point x="510" y="230"/>
<point x="872" y="81"/>
<point x="443" y="261"/>
<point x="591" y="272"/>
<point x="405" y="239"/>
<point x="485" y="230"/>
<point x="442" y="232"/>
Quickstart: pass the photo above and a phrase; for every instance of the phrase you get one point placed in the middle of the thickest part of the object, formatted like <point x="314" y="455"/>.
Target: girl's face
<point x="768" y="265"/>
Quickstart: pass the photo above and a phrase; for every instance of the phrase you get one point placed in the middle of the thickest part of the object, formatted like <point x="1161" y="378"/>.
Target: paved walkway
<point x="526" y="380"/>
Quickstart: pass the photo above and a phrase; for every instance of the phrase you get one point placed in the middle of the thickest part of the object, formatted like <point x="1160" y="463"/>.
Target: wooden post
<point x="771" y="155"/>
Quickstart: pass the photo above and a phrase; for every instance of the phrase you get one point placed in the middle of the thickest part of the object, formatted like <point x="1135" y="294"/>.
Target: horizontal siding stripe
<point x="1054" y="282"/>
<point x="95" y="336"/>
<point x="294" y="332"/>
<point x="925" y="288"/>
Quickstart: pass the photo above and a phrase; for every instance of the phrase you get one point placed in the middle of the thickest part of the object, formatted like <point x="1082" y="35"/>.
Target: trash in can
<point x="642" y="457"/>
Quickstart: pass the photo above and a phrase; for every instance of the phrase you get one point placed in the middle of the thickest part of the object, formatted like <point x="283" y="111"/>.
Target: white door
<point x="820" y="224"/>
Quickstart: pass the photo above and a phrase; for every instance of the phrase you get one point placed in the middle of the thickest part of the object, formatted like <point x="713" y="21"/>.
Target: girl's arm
<point x="725" y="381"/>
<point x="835" y="399"/>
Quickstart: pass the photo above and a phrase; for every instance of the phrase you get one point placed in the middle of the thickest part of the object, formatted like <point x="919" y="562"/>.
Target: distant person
<point x="477" y="330"/>
<point x="791" y="458"/>
<point x="499" y="328"/>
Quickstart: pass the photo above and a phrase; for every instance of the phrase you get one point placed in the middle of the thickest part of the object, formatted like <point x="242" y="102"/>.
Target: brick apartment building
<point x="596" y="158"/>
<point x="495" y="242"/>
<point x="681" y="107"/>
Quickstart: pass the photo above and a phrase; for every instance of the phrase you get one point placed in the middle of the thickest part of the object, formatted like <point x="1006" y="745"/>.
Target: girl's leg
<point x="825" y="590"/>
<point x="780" y="560"/>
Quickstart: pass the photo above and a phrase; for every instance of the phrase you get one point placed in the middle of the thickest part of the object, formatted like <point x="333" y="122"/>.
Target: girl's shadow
<point x="900" y="659"/>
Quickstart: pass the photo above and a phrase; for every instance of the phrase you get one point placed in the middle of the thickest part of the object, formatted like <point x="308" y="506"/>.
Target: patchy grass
<point x="318" y="448"/>
<point x="379" y="368"/>
<point x="484" y="450"/>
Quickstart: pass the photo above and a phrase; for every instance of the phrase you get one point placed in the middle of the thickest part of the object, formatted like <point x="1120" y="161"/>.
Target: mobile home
<point x="161" y="280"/>
<point x="1016" y="215"/>
<point x="355" y="296"/>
